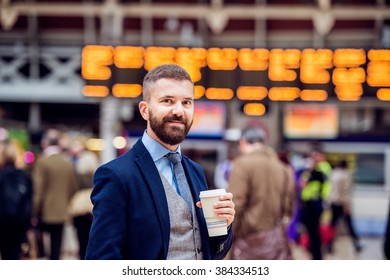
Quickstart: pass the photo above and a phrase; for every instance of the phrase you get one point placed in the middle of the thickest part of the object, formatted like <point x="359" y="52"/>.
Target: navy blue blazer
<point x="131" y="218"/>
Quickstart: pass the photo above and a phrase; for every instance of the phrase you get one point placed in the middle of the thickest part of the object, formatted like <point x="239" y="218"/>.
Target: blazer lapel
<point x="153" y="182"/>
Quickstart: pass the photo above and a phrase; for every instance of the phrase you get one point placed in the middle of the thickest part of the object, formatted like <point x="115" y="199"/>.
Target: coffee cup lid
<point x="212" y="193"/>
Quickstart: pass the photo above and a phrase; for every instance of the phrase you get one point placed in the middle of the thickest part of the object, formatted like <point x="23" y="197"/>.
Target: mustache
<point x="175" y="118"/>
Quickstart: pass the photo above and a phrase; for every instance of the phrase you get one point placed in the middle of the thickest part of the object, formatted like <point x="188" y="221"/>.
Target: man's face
<point x="167" y="133"/>
<point x="169" y="111"/>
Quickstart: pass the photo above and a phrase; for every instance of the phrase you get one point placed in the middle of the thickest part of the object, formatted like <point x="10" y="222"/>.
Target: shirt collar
<point x="156" y="150"/>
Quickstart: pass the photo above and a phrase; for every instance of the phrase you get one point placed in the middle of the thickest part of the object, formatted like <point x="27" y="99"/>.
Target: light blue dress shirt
<point x="158" y="152"/>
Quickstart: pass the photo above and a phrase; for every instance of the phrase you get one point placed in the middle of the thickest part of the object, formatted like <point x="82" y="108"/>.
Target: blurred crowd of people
<point x="307" y="199"/>
<point x="322" y="199"/>
<point x="37" y="202"/>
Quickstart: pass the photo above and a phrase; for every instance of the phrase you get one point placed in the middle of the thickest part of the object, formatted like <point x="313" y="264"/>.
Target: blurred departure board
<point x="247" y="74"/>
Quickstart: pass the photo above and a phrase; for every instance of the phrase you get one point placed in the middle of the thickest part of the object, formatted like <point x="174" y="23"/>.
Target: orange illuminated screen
<point x="314" y="65"/>
<point x="219" y="93"/>
<point x="96" y="61"/>
<point x="209" y="120"/>
<point x="254" y="109"/>
<point x="310" y="121"/>
<point x="347" y="69"/>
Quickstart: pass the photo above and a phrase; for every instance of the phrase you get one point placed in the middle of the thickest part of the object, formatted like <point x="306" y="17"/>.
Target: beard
<point x="169" y="135"/>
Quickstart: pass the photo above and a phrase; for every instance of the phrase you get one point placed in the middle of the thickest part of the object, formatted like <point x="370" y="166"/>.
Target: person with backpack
<point x="15" y="203"/>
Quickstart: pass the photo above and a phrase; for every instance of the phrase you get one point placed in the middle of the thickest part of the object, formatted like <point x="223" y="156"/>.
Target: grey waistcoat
<point x="184" y="239"/>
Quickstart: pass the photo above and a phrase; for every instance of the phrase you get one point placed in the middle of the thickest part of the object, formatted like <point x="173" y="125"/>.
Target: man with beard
<point x="140" y="211"/>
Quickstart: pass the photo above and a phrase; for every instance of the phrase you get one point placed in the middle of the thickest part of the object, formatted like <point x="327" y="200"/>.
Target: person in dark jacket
<point x="386" y="244"/>
<point x="15" y="203"/>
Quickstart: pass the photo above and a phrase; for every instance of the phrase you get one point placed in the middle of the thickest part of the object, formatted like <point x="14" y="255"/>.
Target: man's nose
<point x="177" y="109"/>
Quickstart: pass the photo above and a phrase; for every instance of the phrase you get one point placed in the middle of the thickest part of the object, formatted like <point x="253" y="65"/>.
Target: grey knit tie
<point x="181" y="180"/>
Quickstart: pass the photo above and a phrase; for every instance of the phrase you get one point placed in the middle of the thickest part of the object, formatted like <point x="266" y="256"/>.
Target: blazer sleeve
<point x="220" y="245"/>
<point x="108" y="232"/>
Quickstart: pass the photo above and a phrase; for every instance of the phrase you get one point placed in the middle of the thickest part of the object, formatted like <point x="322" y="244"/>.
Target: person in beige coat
<point x="340" y="200"/>
<point x="54" y="185"/>
<point x="262" y="187"/>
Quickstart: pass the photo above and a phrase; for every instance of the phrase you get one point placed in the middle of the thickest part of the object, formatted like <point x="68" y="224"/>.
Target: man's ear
<point x="143" y="109"/>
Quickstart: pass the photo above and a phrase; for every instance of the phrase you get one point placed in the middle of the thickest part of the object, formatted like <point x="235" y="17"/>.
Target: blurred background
<point x="305" y="71"/>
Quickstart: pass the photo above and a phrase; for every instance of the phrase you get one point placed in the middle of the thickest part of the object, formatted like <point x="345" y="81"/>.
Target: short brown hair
<point x="163" y="71"/>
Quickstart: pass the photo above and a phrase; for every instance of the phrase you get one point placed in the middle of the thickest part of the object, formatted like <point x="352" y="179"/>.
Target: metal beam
<point x="256" y="11"/>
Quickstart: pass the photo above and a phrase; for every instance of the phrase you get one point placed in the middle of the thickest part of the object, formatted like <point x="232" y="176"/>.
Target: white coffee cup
<point x="215" y="225"/>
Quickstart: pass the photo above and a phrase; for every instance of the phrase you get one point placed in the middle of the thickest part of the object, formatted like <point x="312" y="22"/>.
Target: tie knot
<point x="174" y="157"/>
